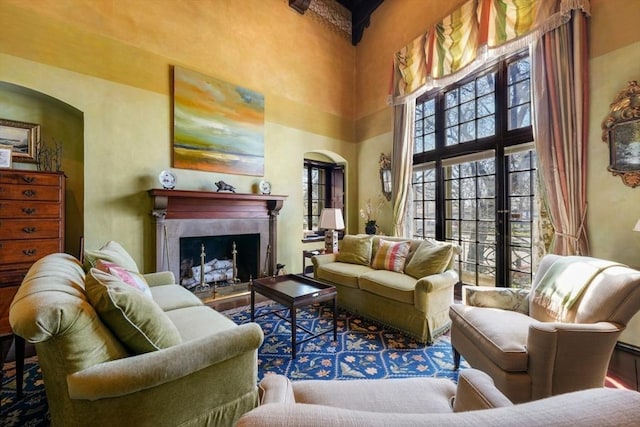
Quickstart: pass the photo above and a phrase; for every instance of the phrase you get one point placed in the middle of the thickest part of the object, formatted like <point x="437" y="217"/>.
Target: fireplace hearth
<point x="186" y="220"/>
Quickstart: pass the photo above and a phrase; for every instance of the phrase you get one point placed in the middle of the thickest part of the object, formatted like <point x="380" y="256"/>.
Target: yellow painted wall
<point x="111" y="59"/>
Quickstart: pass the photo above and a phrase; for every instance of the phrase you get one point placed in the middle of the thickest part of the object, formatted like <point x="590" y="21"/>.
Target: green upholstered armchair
<point x="554" y="339"/>
<point x="207" y="376"/>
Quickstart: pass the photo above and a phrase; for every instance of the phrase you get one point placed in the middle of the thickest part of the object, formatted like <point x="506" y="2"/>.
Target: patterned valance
<point x="477" y="32"/>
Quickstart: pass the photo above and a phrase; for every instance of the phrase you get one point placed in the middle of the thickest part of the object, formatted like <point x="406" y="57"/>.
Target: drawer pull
<point x="29" y="230"/>
<point x="29" y="211"/>
<point x="29" y="193"/>
<point x="28" y="179"/>
<point x="29" y="252"/>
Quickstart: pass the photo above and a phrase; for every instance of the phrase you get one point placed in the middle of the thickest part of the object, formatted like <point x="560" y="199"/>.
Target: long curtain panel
<point x="402" y="163"/>
<point x="560" y="87"/>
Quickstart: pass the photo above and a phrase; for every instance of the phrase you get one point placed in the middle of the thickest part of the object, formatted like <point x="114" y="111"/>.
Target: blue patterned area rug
<point x="364" y="349"/>
<point x="32" y="410"/>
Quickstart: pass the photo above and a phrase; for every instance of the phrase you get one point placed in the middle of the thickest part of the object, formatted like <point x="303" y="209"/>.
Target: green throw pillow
<point x="111" y="252"/>
<point x="355" y="250"/>
<point x="137" y="320"/>
<point x="430" y="258"/>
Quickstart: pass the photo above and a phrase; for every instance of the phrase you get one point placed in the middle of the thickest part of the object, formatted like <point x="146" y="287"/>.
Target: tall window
<point x="322" y="187"/>
<point x="474" y="172"/>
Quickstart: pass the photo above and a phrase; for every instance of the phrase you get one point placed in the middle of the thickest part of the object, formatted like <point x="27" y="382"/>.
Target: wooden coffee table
<point x="293" y="291"/>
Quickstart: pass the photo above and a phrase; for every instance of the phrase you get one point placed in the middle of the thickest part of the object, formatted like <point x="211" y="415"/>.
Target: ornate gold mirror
<point x="385" y="175"/>
<point x="621" y="130"/>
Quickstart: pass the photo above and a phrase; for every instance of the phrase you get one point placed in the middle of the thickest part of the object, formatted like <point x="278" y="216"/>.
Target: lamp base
<point x="331" y="241"/>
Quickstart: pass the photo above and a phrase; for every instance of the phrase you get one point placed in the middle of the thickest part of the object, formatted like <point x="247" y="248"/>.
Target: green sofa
<point x="201" y="368"/>
<point x="415" y="299"/>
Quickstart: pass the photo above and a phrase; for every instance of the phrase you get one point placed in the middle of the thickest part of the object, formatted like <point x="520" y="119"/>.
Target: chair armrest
<point x="276" y="389"/>
<point x="491" y="297"/>
<point x="476" y="390"/>
<point x="442" y="284"/>
<point x="135" y="373"/>
<point x="554" y="348"/>
<point x="318" y="260"/>
<point x="160" y="278"/>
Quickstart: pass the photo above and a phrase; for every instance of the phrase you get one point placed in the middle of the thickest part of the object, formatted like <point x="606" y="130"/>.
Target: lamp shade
<point x="331" y="219"/>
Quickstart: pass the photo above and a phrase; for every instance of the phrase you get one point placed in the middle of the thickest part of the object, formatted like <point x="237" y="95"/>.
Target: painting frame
<point x="218" y="126"/>
<point x="6" y="152"/>
<point x="23" y="137"/>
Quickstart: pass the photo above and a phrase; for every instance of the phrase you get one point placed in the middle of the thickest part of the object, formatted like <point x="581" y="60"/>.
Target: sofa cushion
<point x="390" y="255"/>
<point x="355" y="250"/>
<point x="134" y="318"/>
<point x="430" y="258"/>
<point x="341" y="273"/>
<point x="389" y="284"/>
<point x="172" y="297"/>
<point x="196" y="322"/>
<point x="502" y="334"/>
<point x="131" y="278"/>
<point x="112" y="252"/>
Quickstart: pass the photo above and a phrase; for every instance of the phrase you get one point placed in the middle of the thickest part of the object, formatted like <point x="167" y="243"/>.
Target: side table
<point x="7" y="337"/>
<point x="308" y="255"/>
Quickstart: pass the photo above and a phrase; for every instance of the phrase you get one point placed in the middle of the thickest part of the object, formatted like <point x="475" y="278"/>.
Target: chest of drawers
<point x="31" y="220"/>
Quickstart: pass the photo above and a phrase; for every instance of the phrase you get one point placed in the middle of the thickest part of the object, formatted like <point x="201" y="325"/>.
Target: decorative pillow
<point x="137" y="321"/>
<point x="505" y="298"/>
<point x="112" y="252"/>
<point x="430" y="258"/>
<point x="391" y="255"/>
<point x="355" y="250"/>
<point x="129" y="277"/>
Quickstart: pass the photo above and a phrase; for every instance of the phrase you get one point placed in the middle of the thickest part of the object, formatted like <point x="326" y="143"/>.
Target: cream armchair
<point x="431" y="402"/>
<point x="555" y="339"/>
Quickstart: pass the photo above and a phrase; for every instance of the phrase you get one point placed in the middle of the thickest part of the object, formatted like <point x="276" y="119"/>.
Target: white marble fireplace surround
<point x="179" y="213"/>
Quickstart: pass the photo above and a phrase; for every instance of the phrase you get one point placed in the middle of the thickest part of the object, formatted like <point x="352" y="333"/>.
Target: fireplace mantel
<point x="182" y="213"/>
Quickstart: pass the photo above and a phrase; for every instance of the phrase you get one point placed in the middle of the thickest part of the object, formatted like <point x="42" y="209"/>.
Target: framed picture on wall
<point x="22" y="137"/>
<point x="5" y="156"/>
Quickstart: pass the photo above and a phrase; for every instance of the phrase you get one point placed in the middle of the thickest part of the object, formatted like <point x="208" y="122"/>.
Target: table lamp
<point x="331" y="220"/>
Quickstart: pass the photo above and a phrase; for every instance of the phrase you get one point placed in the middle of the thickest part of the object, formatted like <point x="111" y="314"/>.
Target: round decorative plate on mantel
<point x="167" y="179"/>
<point x="265" y="187"/>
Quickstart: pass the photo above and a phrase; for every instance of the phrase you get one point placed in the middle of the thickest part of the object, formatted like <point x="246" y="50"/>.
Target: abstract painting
<point x="217" y="126"/>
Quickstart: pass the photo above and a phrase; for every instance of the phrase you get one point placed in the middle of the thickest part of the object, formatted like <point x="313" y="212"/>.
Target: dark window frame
<point x="334" y="189"/>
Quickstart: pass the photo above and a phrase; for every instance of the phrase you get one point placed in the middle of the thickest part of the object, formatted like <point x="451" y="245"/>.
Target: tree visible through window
<point x="474" y="175"/>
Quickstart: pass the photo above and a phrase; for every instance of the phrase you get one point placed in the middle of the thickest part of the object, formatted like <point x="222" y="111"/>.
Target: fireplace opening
<point x="218" y="261"/>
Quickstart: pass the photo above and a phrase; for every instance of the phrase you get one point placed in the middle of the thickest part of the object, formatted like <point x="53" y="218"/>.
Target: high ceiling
<point x="361" y="11"/>
<point x="350" y="16"/>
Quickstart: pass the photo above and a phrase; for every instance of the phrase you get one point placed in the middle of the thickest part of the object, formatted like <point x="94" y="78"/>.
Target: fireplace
<point x="187" y="220"/>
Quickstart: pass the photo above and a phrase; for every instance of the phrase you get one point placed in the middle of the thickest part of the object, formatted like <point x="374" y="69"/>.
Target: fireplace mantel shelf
<point x="183" y="204"/>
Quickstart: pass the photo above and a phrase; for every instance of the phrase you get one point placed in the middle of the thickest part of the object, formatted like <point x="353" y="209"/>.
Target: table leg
<point x="253" y="304"/>
<point x="19" y="350"/>
<point x="335" y="318"/>
<point x="293" y="332"/>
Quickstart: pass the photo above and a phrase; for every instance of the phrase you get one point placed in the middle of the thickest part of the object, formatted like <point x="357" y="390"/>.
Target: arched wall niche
<point x="60" y="123"/>
<point x="332" y="157"/>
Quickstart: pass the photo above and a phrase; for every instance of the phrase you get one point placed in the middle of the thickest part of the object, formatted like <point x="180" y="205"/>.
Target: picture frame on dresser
<point x="22" y="137"/>
<point x="5" y="156"/>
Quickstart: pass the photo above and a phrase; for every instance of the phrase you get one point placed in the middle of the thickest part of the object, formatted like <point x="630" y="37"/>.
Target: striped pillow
<point x="391" y="255"/>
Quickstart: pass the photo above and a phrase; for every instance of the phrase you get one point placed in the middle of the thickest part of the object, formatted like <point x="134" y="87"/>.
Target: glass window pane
<point x="520" y="161"/>
<point x="486" y="127"/>
<point x="486" y="186"/>
<point x="468" y="188"/>
<point x="452" y="135"/>
<point x="469" y="210"/>
<point x="518" y="70"/>
<point x="418" y="145"/>
<point x="486" y="106"/>
<point x="486" y="209"/>
<point x="486" y="167"/>
<point x="429" y="107"/>
<point x="467" y="91"/>
<point x="468" y="132"/>
<point x="452" y="209"/>
<point x="451" y="99"/>
<point x="519" y="93"/>
<point x="430" y="124"/>
<point x="486" y="84"/>
<point x="520" y="117"/>
<point x="520" y="183"/>
<point x="451" y="117"/>
<point x="467" y="111"/>
<point x="429" y="142"/>
<point x="467" y="169"/>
